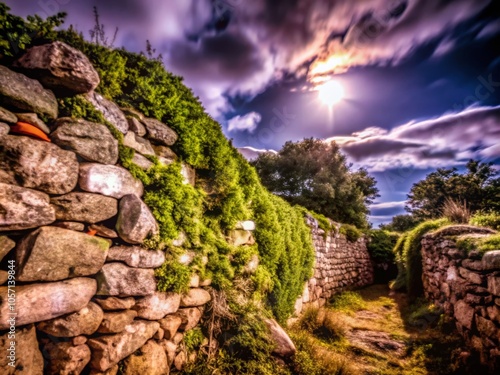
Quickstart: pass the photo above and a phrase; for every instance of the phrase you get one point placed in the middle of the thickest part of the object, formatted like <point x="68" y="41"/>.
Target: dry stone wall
<point x="467" y="287"/>
<point x="340" y="265"/>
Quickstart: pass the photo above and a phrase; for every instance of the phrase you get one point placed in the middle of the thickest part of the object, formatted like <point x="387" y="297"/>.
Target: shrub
<point x="490" y="220"/>
<point x="456" y="212"/>
<point x="412" y="255"/>
<point x="400" y="283"/>
<point x="351" y="232"/>
<point x="381" y="245"/>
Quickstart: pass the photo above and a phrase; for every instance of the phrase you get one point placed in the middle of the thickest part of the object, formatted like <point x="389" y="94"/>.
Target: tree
<point x="401" y="223"/>
<point x="478" y="188"/>
<point x="314" y="174"/>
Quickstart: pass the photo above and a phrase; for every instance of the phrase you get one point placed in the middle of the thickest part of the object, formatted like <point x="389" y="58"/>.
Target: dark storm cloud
<point x="448" y="140"/>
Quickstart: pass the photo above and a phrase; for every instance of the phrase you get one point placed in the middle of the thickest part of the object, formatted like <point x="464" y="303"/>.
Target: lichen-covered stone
<point x="51" y="254"/>
<point x="25" y="94"/>
<point x="109" y="110"/>
<point x="7" y="116"/>
<point x="117" y="279"/>
<point x="66" y="358"/>
<point x="114" y="303"/>
<point x="86" y="207"/>
<point x="22" y="208"/>
<point x="159" y="132"/>
<point x="37" y="165"/>
<point x="32" y="119"/>
<point x="150" y="359"/>
<point x="138" y="144"/>
<point x="135" y="256"/>
<point x="195" y="297"/>
<point x="135" y="221"/>
<point x="93" y="142"/>
<point x="157" y="305"/>
<point x="115" y="322"/>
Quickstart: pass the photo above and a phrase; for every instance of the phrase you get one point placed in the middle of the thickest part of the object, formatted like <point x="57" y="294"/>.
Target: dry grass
<point x="456" y="212"/>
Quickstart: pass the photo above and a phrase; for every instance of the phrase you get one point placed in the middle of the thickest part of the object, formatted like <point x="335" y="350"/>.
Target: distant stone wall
<point x="340" y="265"/>
<point x="467" y="287"/>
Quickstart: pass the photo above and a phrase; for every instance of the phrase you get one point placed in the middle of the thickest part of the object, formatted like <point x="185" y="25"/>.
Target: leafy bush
<point x="351" y="232"/>
<point x="381" y="245"/>
<point x="456" y="212"/>
<point x="490" y="220"/>
<point x="412" y="255"/>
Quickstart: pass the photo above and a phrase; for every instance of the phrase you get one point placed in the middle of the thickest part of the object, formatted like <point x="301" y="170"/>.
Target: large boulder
<point x="135" y="256"/>
<point x="137" y="143"/>
<point x="109" y="350"/>
<point x="60" y="67"/>
<point x="150" y="359"/>
<point x="6" y="244"/>
<point x="135" y="221"/>
<point x="195" y="297"/>
<point x="52" y="253"/>
<point x="26" y="94"/>
<point x="157" y="305"/>
<point x="22" y="208"/>
<point x="136" y="126"/>
<point x="92" y="141"/>
<point x="25" y="355"/>
<point x="86" y="207"/>
<point x="117" y="279"/>
<point x="37" y="165"/>
<point x="83" y="322"/>
<point x="66" y="358"/>
<point x="284" y="346"/>
<point x="159" y="132"/>
<point x="115" y="322"/>
<point x="38" y="302"/>
<point x="109" y="110"/>
<point x="108" y="180"/>
<point x="114" y="303"/>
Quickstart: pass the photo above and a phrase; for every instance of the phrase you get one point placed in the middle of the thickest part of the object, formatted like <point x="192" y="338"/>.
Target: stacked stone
<point x="467" y="287"/>
<point x="340" y="265"/>
<point x="73" y="222"/>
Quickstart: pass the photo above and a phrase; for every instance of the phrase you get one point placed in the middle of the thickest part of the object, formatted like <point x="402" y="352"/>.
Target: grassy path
<point x="373" y="331"/>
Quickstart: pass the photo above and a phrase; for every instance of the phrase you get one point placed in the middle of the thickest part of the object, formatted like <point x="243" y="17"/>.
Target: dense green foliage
<point x="314" y="174"/>
<point x="400" y="283"/>
<point x="490" y="220"/>
<point x="401" y="223"/>
<point x="381" y="244"/>
<point x="478" y="188"/>
<point x="351" y="232"/>
<point x="481" y="244"/>
<point x="412" y="255"/>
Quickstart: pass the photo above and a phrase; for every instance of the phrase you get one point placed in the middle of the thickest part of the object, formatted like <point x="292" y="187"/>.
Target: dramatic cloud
<point x="448" y="140"/>
<point x="251" y="153"/>
<point x="248" y="122"/>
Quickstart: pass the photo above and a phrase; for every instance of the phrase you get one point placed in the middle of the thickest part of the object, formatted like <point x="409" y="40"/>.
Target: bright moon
<point x="331" y="93"/>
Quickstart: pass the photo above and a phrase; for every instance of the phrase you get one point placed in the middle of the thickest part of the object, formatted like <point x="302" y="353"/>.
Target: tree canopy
<point x="478" y="187"/>
<point x="314" y="174"/>
<point x="401" y="223"/>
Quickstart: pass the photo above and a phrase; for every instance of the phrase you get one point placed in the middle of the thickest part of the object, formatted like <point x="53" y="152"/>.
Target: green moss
<point x="490" y="220"/>
<point x="173" y="276"/>
<point x="193" y="339"/>
<point x="351" y="232"/>
<point x="481" y="244"/>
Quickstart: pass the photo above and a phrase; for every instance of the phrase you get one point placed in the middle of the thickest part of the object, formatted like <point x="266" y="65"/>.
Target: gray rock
<point x="4" y="129"/>
<point x="92" y="141"/>
<point x="103" y="231"/>
<point x="7" y="116"/>
<point x="195" y="297"/>
<point x="117" y="279"/>
<point x="26" y="94"/>
<point x="491" y="260"/>
<point x="83" y="322"/>
<point x="32" y="119"/>
<point x="190" y="317"/>
<point x="135" y="256"/>
<point x="142" y="162"/>
<point x="60" y="67"/>
<point x="464" y="314"/>
<point x="6" y="244"/>
<point x="165" y="153"/>
<point x="157" y="305"/>
<point x="115" y="322"/>
<point x="135" y="221"/>
<point x="114" y="303"/>
<point x="136" y="126"/>
<point x="137" y="143"/>
<point x="66" y="358"/>
<point x="85" y="207"/>
<point x="22" y="208"/>
<point x="38" y="302"/>
<point x="131" y="112"/>
<point x="109" y="350"/>
<point x="71" y="225"/>
<point x="189" y="174"/>
<point x="284" y="346"/>
<point x="28" y="358"/>
<point x="159" y="132"/>
<point x="110" y="180"/>
<point x="51" y="254"/>
<point x="150" y="359"/>
<point x="37" y="165"/>
<point x="170" y="324"/>
<point x="109" y="110"/>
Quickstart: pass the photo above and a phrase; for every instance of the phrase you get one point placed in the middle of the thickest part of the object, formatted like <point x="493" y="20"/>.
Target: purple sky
<point x="421" y="77"/>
